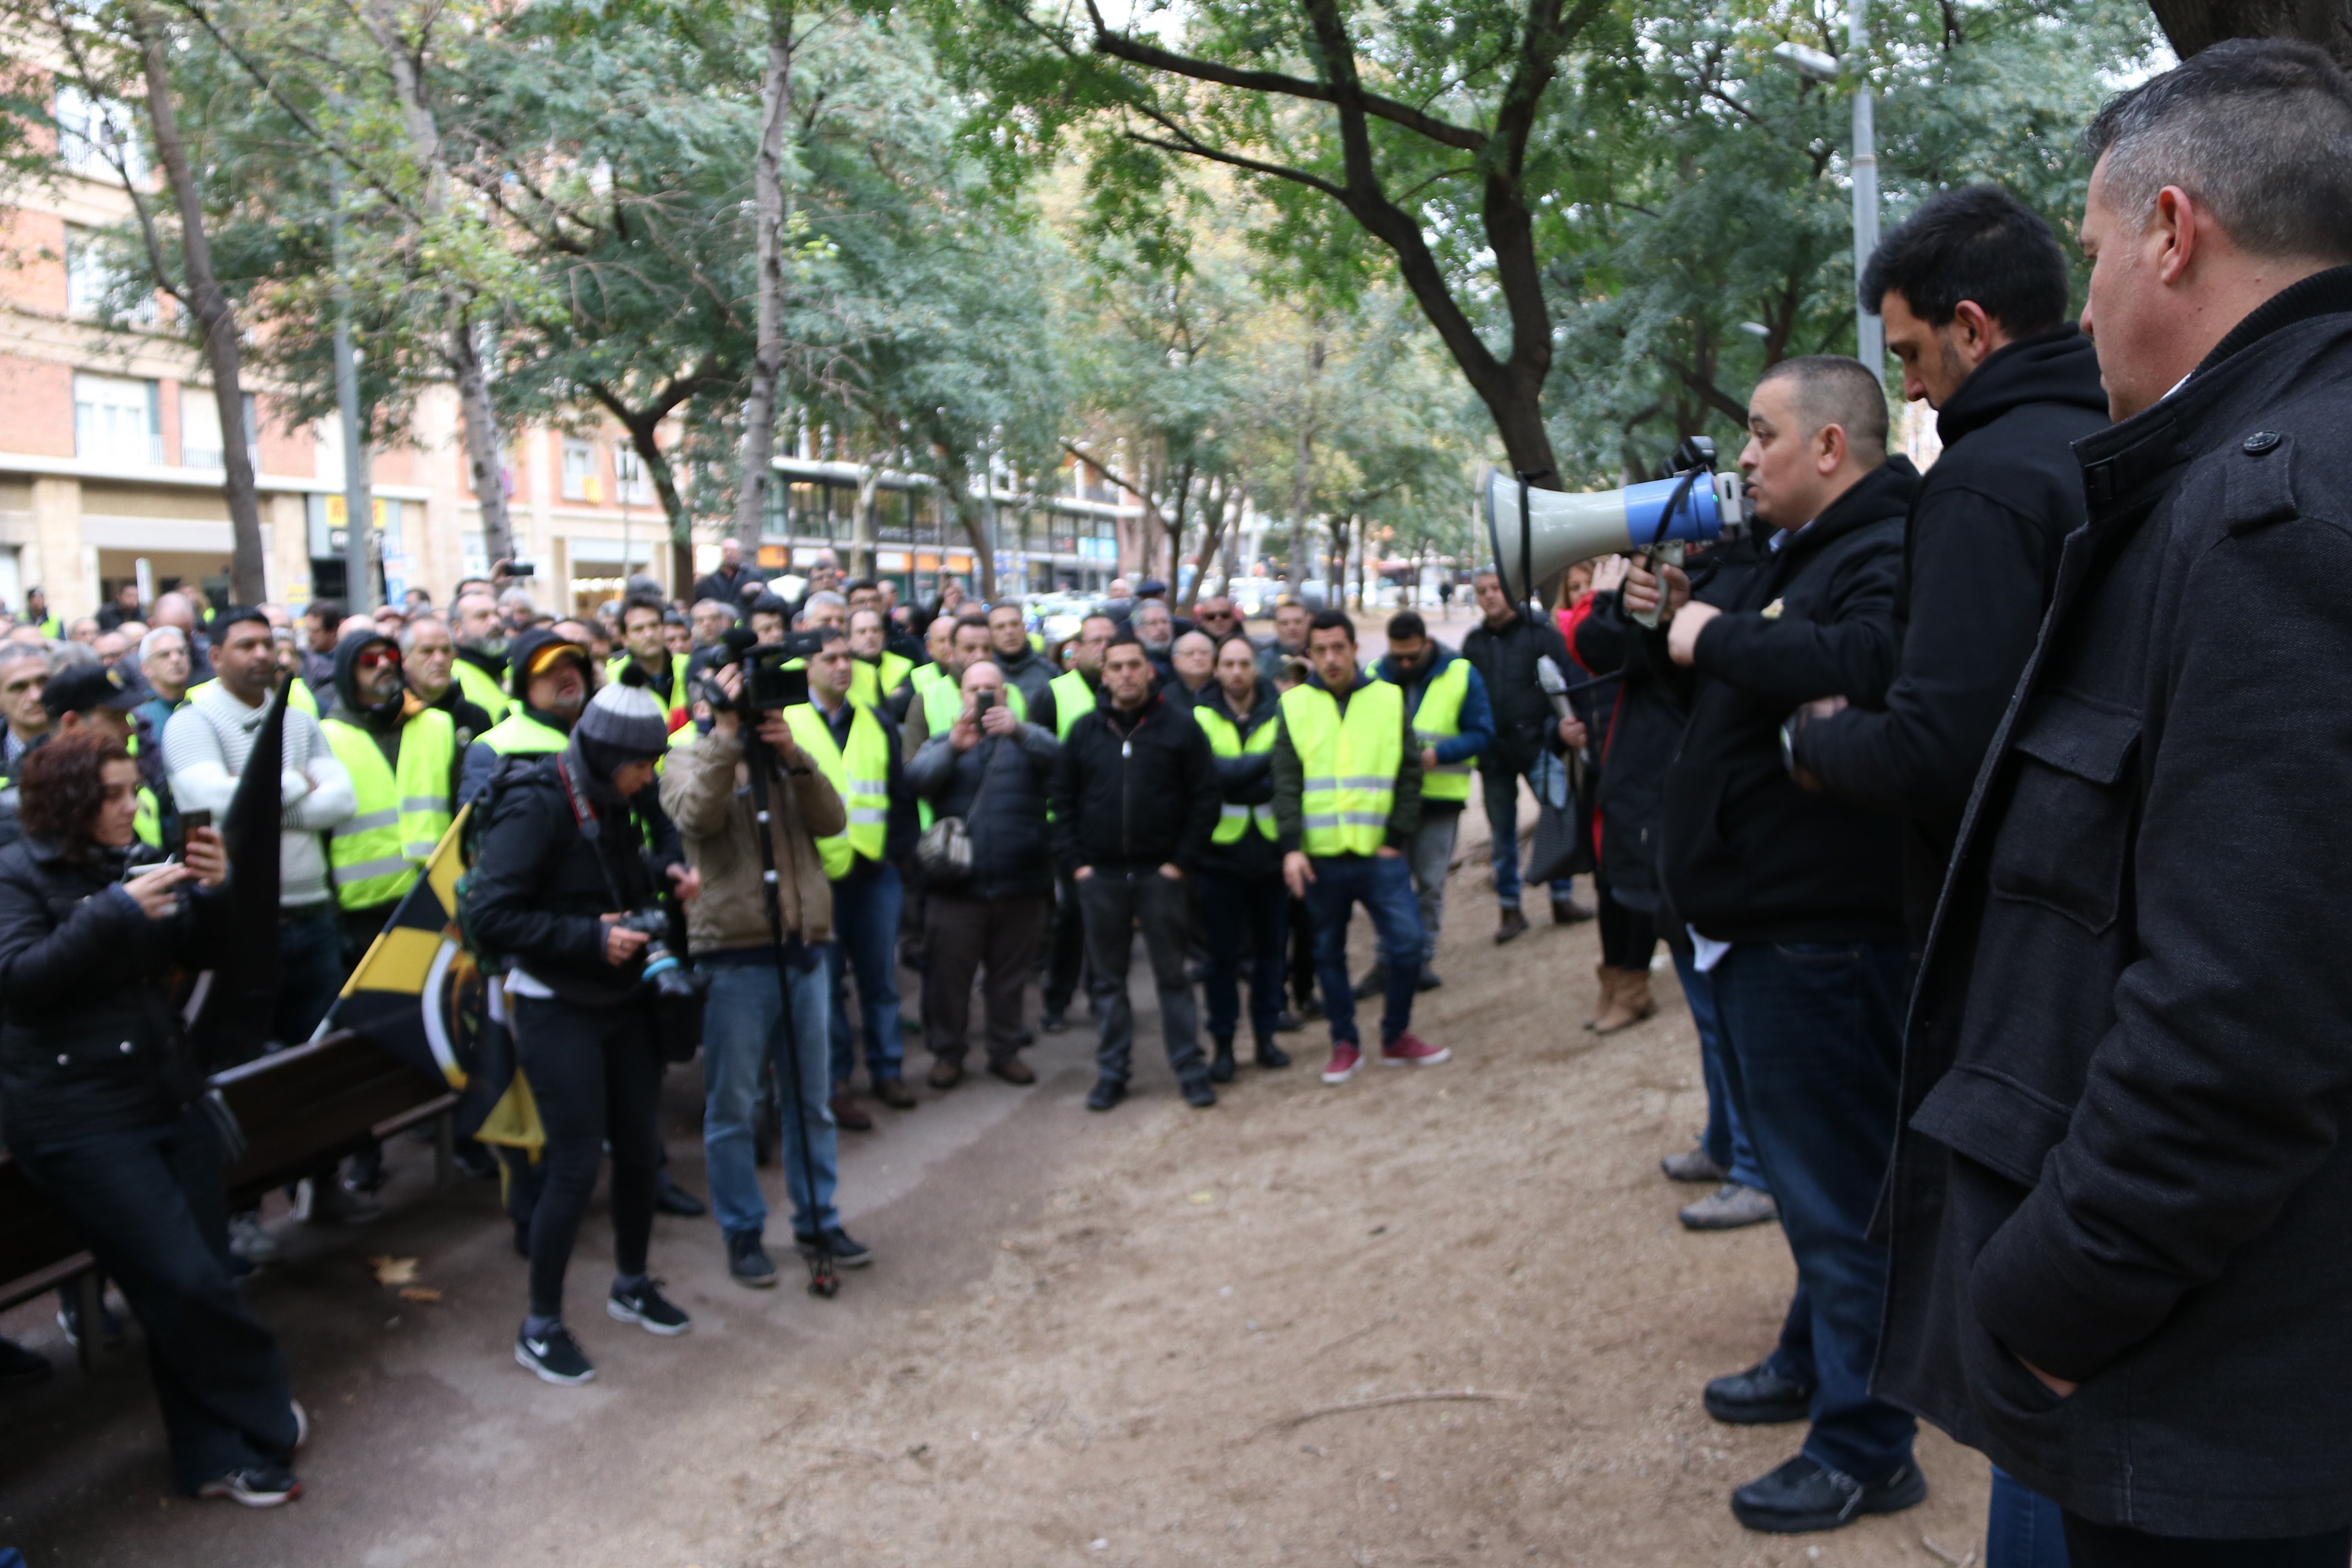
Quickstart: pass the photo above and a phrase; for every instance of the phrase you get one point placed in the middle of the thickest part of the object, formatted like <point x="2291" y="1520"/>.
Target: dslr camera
<point x="768" y="685"/>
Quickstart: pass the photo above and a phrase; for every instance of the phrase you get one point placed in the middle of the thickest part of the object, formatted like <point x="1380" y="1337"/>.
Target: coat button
<point x="126" y="1047"/>
<point x="61" y="1058"/>
<point x="2261" y="441"/>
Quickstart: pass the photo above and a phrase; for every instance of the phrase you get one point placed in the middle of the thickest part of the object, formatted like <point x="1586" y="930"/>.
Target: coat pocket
<point x="1994" y="1120"/>
<point x="2066" y="838"/>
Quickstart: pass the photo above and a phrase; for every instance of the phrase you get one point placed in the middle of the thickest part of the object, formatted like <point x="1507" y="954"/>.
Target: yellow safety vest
<point x="1439" y="718"/>
<point x="1226" y="741"/>
<point x="861" y="776"/>
<point x="1350" y="764"/>
<point x="1074" y="698"/>
<point x="373" y="859"/>
<point x="53" y="628"/>
<point x="147" y="822"/>
<point x="679" y="698"/>
<point x="896" y="669"/>
<point x="923" y="675"/>
<point x="481" y="688"/>
<point x="519" y="734"/>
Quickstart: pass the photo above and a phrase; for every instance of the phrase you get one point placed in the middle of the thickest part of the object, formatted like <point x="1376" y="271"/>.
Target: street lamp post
<point x="1869" y="331"/>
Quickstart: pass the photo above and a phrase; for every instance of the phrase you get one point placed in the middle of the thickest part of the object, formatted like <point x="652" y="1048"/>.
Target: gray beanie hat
<point x="626" y="722"/>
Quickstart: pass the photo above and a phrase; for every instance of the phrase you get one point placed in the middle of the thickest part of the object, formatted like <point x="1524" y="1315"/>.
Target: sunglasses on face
<point x="376" y="659"/>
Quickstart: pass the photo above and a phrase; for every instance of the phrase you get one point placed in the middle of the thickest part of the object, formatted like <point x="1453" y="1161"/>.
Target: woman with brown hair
<point x="99" y="1102"/>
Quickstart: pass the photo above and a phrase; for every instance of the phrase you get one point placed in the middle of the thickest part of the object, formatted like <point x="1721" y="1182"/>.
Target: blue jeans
<point x="1549" y="779"/>
<point x="865" y="907"/>
<point x="1725" y="1138"/>
<point x="1811" y="1039"/>
<point x="2023" y="1529"/>
<point x="744" y="1030"/>
<point x="1383" y="885"/>
<point x="309" y="972"/>
<point x="1245" y="922"/>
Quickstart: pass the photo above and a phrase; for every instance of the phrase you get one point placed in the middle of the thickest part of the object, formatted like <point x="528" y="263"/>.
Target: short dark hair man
<point x="1529" y="741"/>
<point x="1795" y="904"/>
<point x="646" y="644"/>
<point x="1973" y="291"/>
<point x="2117" y="1195"/>
<point x="1133" y="804"/>
<point x="1346" y="803"/>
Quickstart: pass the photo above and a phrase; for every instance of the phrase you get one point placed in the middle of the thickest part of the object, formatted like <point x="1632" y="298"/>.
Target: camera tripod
<point x="824" y="1279"/>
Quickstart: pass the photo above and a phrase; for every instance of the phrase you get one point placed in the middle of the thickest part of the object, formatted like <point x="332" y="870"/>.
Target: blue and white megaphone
<point x="1538" y="534"/>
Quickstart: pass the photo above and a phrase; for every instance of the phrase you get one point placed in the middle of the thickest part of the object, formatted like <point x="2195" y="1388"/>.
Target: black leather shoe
<point x="1287" y="1022"/>
<point x="671" y="1198"/>
<point x="1757" y="1397"/>
<point x="1198" y="1094"/>
<point x="1270" y="1055"/>
<point x="1806" y="1495"/>
<point x="1106" y="1092"/>
<point x="1220" y="1065"/>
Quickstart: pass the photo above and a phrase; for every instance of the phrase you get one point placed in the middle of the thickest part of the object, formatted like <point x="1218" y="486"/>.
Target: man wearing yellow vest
<point x="1451" y="722"/>
<point x="942" y="698"/>
<point x="551" y="683"/>
<point x="1244" y="908"/>
<point x="643" y="636"/>
<point x="877" y="676"/>
<point x="403" y="759"/>
<point x="1346" y="803"/>
<point x="481" y="636"/>
<point x="856" y="747"/>
<point x="1076" y="692"/>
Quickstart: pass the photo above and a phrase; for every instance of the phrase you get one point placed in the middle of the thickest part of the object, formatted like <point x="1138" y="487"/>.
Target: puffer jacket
<point x="1012" y="852"/>
<point x="89" y="1041"/>
<point x="715" y="822"/>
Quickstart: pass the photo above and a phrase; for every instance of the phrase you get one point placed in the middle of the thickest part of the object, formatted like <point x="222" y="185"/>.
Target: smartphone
<point x="983" y="701"/>
<point x="191" y="820"/>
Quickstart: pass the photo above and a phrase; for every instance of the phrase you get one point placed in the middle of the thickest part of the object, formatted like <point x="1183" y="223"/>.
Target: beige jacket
<point x="698" y="789"/>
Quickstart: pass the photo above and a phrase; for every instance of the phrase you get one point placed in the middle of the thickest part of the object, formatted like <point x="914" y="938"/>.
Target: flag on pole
<point x="420" y="994"/>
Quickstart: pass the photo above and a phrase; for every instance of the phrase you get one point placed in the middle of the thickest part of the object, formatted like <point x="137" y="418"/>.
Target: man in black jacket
<point x="1503" y="649"/>
<point x="1794" y="903"/>
<point x="1973" y="290"/>
<point x="1243" y="905"/>
<point x="2117" y="1201"/>
<point x="1134" y="801"/>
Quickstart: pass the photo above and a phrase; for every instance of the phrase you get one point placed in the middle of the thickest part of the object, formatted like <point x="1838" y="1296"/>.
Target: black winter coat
<point x="89" y="1041"/>
<point x="540" y="884"/>
<point x="1744" y="853"/>
<point x="1246" y="780"/>
<point x="1979" y="556"/>
<point x="1505" y="660"/>
<point x="1635" y="741"/>
<point x="1012" y="856"/>
<point x="1134" y="794"/>
<point x="2127" y="1076"/>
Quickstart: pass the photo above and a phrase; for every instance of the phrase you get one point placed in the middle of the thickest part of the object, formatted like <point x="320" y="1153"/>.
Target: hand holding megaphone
<point x="1653" y="597"/>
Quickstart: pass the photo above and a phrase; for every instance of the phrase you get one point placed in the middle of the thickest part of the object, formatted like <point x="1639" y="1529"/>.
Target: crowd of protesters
<point x="1974" y="808"/>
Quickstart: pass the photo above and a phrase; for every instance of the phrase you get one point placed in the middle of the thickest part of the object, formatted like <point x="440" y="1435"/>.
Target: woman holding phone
<point x="100" y="1101"/>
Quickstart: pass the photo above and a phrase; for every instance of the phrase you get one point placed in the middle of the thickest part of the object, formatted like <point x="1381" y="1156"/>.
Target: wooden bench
<point x="315" y="1101"/>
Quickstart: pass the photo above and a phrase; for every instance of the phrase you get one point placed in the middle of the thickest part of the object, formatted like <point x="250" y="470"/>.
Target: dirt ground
<point x="1161" y="1336"/>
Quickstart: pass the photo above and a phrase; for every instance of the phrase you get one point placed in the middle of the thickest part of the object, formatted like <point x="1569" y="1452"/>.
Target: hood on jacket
<point x="2060" y="365"/>
<point x="381" y="715"/>
<point x="528" y="648"/>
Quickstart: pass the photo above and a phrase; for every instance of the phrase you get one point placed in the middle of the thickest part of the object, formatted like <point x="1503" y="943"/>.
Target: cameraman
<point x="560" y="865"/>
<point x="707" y="789"/>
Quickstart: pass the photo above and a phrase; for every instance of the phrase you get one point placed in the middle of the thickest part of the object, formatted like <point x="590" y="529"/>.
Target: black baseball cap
<point x="84" y="686"/>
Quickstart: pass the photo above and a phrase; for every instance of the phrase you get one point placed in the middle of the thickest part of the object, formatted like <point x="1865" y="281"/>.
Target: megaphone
<point x="1537" y="534"/>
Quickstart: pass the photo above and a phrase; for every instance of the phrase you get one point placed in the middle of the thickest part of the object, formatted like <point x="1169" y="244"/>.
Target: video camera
<point x="768" y="685"/>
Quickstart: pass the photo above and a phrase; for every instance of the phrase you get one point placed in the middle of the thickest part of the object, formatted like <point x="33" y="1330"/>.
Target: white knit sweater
<point x="206" y="745"/>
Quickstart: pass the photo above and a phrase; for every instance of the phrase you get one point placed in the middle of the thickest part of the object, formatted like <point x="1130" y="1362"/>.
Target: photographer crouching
<point x="563" y="886"/>
<point x="101" y="1100"/>
<point x="709" y="790"/>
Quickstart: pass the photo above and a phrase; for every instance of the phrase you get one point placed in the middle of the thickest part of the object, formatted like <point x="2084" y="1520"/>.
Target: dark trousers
<point x="1811" y="1036"/>
<point x="1628" y="936"/>
<point x="596" y="1077"/>
<point x="1245" y="923"/>
<point x="1065" y="946"/>
<point x="2113" y="1546"/>
<point x="311" y="972"/>
<point x="1115" y="903"/>
<point x="2023" y="1529"/>
<point x="1302" y="953"/>
<point x="961" y="936"/>
<point x="147" y="1205"/>
<point x="1383" y="885"/>
<point x="866" y="905"/>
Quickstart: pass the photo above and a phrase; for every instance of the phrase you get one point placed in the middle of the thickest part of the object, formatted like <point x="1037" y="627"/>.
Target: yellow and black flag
<point x="420" y="994"/>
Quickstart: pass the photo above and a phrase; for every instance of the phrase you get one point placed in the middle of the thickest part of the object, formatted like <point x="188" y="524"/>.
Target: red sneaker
<point x="1345" y="1059"/>
<point x="1409" y="1051"/>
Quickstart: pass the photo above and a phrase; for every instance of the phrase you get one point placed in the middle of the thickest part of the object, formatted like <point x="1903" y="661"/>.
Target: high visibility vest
<point x="147" y="822"/>
<point x="1350" y="764"/>
<point x="519" y="734"/>
<point x="923" y="677"/>
<point x="373" y="859"/>
<point x="481" y="688"/>
<point x="298" y="697"/>
<point x="53" y="628"/>
<point x="1226" y="741"/>
<point x="943" y="705"/>
<point x="860" y="776"/>
<point x="896" y="669"/>
<point x="1074" y="698"/>
<point x="679" y="698"/>
<point x="1439" y="718"/>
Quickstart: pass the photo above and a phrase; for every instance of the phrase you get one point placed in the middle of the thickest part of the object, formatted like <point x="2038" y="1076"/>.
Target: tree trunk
<point x="2192" y="25"/>
<point x="862" y="525"/>
<point x="767" y="201"/>
<point x="973" y="512"/>
<point x="1302" y="468"/>
<point x="1212" y="533"/>
<point x="216" y="315"/>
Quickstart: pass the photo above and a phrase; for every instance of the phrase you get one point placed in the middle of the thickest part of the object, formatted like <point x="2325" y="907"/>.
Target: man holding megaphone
<point x="1794" y="902"/>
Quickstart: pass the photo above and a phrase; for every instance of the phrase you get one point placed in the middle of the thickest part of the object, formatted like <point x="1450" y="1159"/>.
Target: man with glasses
<point x="1216" y="616"/>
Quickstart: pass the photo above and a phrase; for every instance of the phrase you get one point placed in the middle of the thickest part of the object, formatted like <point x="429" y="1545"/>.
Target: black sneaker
<point x="648" y="1309"/>
<point x="672" y="1199"/>
<point x="1270" y="1055"/>
<point x="1105" y="1093"/>
<point x="19" y="1366"/>
<point x="1806" y="1495"/>
<point x="556" y="1358"/>
<point x="747" y="1260"/>
<point x="846" y="1252"/>
<point x="1199" y="1094"/>
<point x="255" y="1486"/>
<point x="1287" y="1022"/>
<point x="1428" y="980"/>
<point x="1053" y="1021"/>
<point x="1757" y="1397"/>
